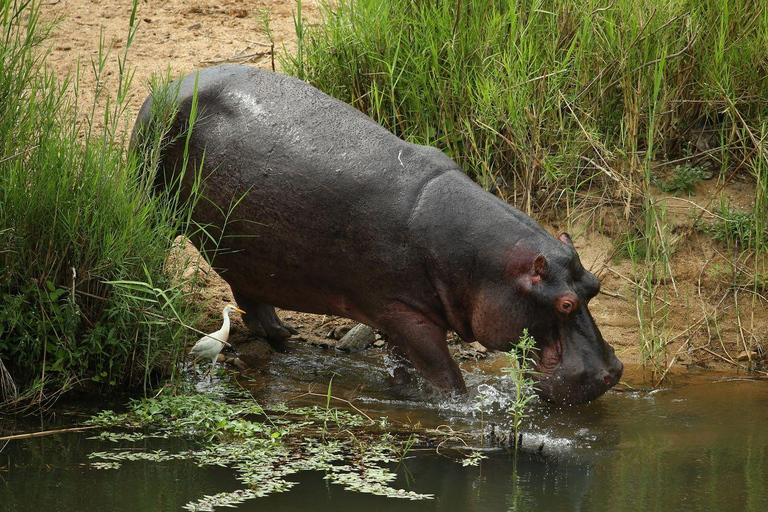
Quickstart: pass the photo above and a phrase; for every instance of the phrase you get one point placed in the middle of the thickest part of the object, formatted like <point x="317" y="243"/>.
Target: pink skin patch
<point x="547" y="359"/>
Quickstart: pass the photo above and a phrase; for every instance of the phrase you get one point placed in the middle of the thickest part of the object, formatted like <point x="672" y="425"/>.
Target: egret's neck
<point x="224" y="331"/>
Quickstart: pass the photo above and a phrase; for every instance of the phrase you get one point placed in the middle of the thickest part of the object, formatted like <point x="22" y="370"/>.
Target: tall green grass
<point x="548" y="95"/>
<point x="75" y="217"/>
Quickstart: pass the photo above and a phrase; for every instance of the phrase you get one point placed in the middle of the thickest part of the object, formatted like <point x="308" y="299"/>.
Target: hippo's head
<point x="548" y="295"/>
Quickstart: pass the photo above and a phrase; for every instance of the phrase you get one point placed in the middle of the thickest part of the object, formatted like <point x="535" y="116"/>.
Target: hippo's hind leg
<point x="262" y="321"/>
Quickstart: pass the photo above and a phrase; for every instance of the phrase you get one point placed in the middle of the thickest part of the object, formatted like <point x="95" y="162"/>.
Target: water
<point x="700" y="443"/>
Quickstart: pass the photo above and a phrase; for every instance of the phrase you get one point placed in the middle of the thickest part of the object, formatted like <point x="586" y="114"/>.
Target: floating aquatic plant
<point x="262" y="447"/>
<point x="473" y="459"/>
<point x="131" y="437"/>
<point x="131" y="455"/>
<point x="105" y="465"/>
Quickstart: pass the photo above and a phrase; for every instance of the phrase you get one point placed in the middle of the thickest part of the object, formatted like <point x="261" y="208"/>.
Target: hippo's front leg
<point x="423" y="342"/>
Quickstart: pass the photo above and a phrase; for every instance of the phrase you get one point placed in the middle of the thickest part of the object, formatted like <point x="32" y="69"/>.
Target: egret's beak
<point x="240" y="311"/>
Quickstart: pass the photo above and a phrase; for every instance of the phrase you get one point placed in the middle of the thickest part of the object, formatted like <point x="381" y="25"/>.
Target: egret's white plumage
<point x="209" y="346"/>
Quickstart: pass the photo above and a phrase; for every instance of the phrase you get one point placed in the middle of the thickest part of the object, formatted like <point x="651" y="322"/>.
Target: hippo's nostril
<point x="607" y="380"/>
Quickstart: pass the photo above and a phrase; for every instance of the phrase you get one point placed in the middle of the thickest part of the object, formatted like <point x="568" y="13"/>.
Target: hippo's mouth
<point x="576" y="376"/>
<point x="547" y="358"/>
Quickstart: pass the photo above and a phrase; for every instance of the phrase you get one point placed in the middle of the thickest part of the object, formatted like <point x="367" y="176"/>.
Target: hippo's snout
<point x="587" y="366"/>
<point x="615" y="370"/>
<point x="573" y="387"/>
<point x="591" y="383"/>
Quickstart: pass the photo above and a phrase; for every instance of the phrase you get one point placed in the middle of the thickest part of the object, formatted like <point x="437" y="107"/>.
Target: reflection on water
<point x="700" y="444"/>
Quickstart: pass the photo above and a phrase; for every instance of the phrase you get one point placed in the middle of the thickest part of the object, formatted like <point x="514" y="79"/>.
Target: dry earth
<point x="179" y="36"/>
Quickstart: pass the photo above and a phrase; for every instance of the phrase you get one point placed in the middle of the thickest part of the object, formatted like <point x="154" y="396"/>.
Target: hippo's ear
<point x="565" y="238"/>
<point x="540" y="265"/>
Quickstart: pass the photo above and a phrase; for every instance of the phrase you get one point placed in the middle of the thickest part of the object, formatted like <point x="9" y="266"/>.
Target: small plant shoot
<point x="521" y="371"/>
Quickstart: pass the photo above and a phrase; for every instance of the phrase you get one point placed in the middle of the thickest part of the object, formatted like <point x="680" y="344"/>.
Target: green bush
<point x="736" y="227"/>
<point x="682" y="179"/>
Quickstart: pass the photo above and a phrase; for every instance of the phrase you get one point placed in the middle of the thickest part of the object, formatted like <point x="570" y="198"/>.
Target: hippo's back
<point x="261" y="124"/>
<point x="320" y="192"/>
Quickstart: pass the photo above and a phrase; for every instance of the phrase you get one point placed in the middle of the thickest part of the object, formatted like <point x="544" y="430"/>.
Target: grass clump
<point x="736" y="227"/>
<point x="75" y="214"/>
<point x="549" y="96"/>
<point x="683" y="178"/>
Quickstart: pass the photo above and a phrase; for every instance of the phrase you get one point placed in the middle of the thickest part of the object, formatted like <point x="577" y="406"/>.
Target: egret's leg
<point x="194" y="366"/>
<point x="213" y="365"/>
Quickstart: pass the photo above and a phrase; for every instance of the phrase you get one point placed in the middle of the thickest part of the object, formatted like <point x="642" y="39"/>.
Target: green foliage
<point x="681" y="179"/>
<point x="736" y="227"/>
<point x="521" y="372"/>
<point x="76" y="215"/>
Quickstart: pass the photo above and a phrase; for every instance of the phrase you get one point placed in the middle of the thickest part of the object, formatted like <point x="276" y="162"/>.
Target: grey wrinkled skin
<point x="338" y="216"/>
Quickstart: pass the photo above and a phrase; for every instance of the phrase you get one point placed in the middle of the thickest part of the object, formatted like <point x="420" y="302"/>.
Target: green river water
<point x="698" y="443"/>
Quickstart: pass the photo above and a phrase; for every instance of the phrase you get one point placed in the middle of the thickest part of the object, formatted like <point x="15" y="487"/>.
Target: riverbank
<point x="712" y="316"/>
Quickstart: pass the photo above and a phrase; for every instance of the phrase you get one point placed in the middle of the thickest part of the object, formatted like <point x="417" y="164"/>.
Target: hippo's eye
<point x="567" y="304"/>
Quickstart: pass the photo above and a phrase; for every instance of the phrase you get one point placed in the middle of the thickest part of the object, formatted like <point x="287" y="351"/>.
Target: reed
<point x="521" y="371"/>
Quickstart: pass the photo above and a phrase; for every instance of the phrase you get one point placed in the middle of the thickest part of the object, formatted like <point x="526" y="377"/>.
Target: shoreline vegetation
<point x="88" y="299"/>
<point x="569" y="112"/>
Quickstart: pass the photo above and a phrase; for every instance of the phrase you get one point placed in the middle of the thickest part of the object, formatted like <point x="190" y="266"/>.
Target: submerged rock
<point x="472" y="351"/>
<point x="251" y="352"/>
<point x="478" y="347"/>
<point x="339" y="332"/>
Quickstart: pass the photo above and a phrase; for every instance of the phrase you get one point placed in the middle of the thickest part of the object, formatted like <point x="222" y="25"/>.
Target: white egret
<point x="210" y="345"/>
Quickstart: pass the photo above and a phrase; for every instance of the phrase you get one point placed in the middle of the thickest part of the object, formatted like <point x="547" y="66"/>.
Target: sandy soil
<point x="179" y="36"/>
<point x="174" y="35"/>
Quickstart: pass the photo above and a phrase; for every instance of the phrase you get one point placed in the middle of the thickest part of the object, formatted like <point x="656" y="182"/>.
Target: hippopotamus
<point x="317" y="208"/>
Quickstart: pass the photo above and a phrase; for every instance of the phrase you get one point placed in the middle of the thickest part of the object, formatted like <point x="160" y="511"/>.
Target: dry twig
<point x="47" y="432"/>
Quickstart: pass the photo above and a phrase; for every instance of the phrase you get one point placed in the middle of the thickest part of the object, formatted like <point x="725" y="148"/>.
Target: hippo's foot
<point x="262" y="321"/>
<point x="400" y="377"/>
<point x="272" y="332"/>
